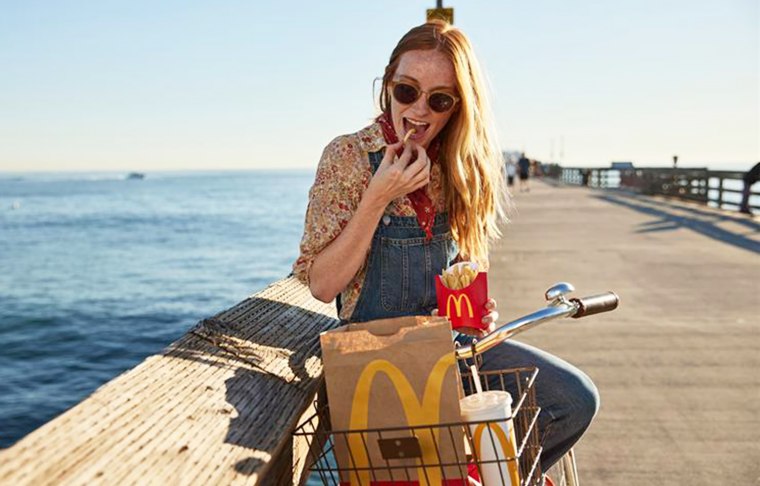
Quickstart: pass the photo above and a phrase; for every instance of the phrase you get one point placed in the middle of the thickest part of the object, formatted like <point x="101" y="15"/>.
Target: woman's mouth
<point x="420" y="128"/>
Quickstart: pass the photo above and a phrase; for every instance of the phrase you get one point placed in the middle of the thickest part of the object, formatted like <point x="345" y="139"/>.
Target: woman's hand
<point x="489" y="320"/>
<point x="492" y="315"/>
<point x="398" y="176"/>
<point x="336" y="265"/>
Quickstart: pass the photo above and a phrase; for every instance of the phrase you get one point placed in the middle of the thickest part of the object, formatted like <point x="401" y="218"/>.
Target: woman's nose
<point x="421" y="105"/>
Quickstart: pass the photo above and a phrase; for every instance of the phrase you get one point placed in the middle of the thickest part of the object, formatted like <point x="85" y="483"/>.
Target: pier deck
<point x="677" y="364"/>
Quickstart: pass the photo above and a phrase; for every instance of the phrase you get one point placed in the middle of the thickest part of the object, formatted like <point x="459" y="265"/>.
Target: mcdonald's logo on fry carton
<point x="458" y="301"/>
<point x="465" y="306"/>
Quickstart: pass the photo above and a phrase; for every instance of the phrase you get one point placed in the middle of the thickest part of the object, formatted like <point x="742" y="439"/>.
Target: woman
<point x="384" y="217"/>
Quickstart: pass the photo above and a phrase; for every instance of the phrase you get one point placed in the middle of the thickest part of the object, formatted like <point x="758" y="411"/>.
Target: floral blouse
<point x="342" y="177"/>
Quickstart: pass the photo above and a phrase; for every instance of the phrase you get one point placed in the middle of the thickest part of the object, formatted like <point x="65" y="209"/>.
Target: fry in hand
<point x="409" y="134"/>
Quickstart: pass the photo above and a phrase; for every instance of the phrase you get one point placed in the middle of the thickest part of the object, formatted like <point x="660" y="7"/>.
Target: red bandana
<point x="421" y="202"/>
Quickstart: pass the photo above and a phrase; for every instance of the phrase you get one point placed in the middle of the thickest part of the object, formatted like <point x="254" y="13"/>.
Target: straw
<point x="476" y="377"/>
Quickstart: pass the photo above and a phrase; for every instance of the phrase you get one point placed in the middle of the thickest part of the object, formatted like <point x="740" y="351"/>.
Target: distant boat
<point x="136" y="176"/>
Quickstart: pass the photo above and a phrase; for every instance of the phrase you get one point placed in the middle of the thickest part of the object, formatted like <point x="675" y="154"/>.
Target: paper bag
<point x="398" y="372"/>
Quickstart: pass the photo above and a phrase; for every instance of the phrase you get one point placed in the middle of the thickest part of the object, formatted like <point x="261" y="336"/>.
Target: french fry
<point x="465" y="277"/>
<point x="458" y="277"/>
<point x="409" y="134"/>
<point x="470" y="275"/>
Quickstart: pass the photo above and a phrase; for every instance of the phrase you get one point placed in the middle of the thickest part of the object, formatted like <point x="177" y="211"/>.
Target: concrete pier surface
<point x="678" y="363"/>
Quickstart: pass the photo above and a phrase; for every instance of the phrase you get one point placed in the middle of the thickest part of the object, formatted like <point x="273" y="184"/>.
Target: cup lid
<point x="488" y="401"/>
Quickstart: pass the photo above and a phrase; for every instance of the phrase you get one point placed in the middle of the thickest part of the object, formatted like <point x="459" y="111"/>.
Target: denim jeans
<point x="568" y="398"/>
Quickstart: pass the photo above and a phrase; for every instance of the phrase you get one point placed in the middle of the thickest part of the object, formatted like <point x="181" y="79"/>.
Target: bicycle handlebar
<point x="560" y="307"/>
<point x="595" y="304"/>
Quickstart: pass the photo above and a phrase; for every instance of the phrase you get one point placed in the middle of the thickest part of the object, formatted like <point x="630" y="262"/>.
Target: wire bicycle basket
<point x="403" y="448"/>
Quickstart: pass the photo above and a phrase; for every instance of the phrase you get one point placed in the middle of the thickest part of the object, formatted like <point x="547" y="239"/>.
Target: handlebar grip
<point x="596" y="304"/>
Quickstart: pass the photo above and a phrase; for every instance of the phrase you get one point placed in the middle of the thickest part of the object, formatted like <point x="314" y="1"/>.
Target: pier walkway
<point x="677" y="363"/>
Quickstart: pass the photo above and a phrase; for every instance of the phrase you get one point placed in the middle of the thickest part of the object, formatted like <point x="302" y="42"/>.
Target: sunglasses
<point x="438" y="101"/>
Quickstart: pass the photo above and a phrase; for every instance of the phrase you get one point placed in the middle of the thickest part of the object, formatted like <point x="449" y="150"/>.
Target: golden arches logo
<point x="507" y="447"/>
<point x="457" y="300"/>
<point x="427" y="412"/>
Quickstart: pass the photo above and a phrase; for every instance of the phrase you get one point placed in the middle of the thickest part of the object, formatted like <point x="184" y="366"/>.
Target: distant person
<point x="524" y="164"/>
<point x="750" y="178"/>
<point x="535" y="168"/>
<point x="585" y="176"/>
<point x="538" y="169"/>
<point x="511" y="173"/>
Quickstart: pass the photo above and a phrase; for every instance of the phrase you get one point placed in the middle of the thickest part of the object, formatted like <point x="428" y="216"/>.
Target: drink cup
<point x="495" y="439"/>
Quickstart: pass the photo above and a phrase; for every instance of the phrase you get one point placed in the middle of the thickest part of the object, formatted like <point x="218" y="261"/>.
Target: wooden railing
<point x="693" y="184"/>
<point x="724" y="176"/>
<point x="216" y="407"/>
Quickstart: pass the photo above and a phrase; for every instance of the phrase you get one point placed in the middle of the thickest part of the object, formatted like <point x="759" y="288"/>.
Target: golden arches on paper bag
<point x="427" y="412"/>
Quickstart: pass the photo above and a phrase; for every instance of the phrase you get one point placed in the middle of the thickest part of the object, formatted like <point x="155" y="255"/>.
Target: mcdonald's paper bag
<point x="399" y="373"/>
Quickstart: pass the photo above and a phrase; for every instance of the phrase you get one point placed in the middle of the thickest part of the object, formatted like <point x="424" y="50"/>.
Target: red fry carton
<point x="464" y="307"/>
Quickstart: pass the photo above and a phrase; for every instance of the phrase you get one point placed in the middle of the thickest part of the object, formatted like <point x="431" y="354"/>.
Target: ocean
<point x="98" y="272"/>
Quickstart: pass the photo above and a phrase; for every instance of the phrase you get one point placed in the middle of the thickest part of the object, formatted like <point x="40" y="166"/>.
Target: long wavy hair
<point x="471" y="161"/>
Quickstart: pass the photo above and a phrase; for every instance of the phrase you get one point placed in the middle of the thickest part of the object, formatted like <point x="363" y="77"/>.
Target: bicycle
<point x="399" y="445"/>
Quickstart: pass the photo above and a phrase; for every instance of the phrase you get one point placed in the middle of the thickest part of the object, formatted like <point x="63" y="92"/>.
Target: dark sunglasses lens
<point x="405" y="93"/>
<point x="440" y="102"/>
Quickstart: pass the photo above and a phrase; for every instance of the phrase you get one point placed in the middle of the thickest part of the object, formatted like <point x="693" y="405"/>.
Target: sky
<point x="187" y="85"/>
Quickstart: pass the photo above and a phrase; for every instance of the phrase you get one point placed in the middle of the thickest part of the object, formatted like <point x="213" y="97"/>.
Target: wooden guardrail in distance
<point x="692" y="184"/>
<point x="216" y="407"/>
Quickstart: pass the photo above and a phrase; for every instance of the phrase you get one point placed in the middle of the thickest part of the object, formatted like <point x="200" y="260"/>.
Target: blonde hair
<point x="472" y="164"/>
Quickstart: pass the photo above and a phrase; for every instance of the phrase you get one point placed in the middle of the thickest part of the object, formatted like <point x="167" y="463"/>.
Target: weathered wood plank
<point x="217" y="406"/>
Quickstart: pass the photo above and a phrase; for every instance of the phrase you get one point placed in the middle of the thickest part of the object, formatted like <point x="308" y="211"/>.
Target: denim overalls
<point x="402" y="265"/>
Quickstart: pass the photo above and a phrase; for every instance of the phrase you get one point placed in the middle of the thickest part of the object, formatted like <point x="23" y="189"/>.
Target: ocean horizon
<point x="123" y="172"/>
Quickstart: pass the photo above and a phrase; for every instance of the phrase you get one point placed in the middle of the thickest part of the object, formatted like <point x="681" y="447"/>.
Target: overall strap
<point x="375" y="158"/>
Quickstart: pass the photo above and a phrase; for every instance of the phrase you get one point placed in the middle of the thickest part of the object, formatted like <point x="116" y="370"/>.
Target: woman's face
<point x="428" y="70"/>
